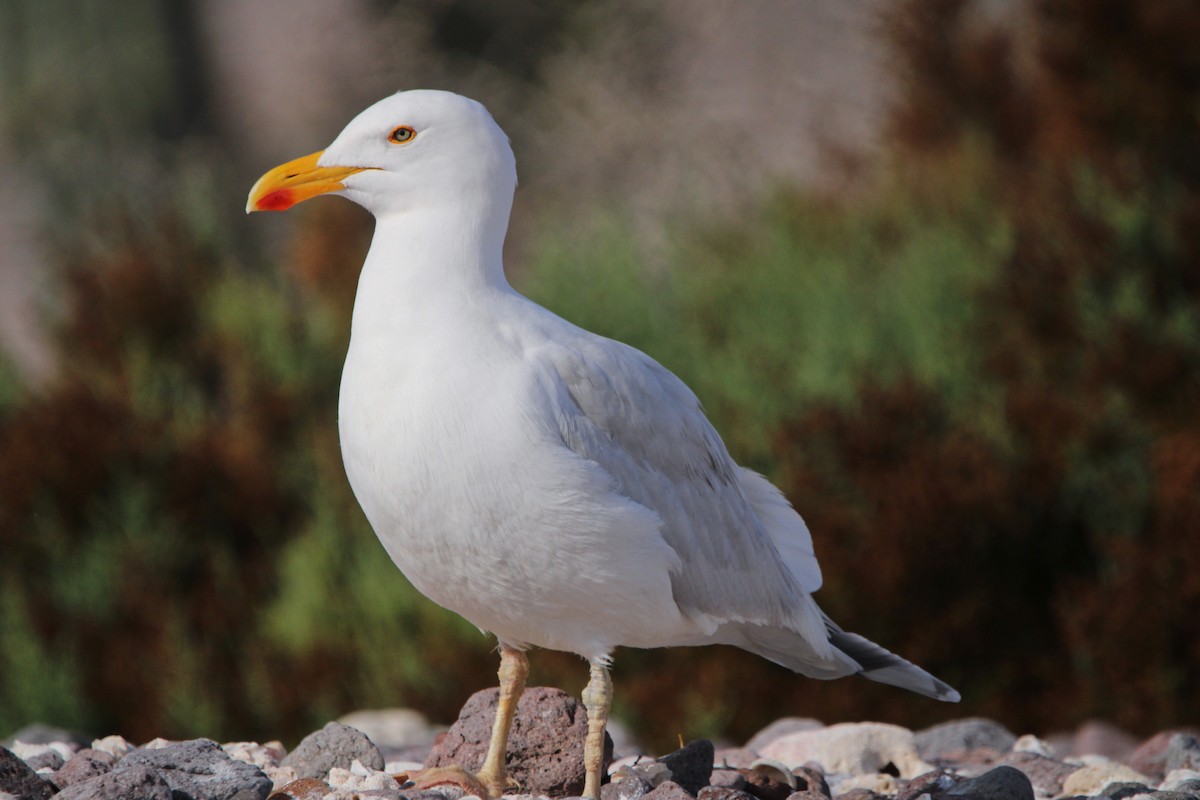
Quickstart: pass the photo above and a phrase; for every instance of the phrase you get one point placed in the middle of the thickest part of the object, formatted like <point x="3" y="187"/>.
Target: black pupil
<point x="401" y="134"/>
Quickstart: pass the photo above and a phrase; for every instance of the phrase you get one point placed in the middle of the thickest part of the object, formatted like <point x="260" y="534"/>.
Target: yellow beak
<point x="295" y="182"/>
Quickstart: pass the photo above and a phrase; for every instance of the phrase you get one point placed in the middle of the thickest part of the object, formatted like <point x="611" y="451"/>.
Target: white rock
<point x="399" y="767"/>
<point x="158" y="744"/>
<point x="260" y="755"/>
<point x="1176" y="777"/>
<point x="877" y="782"/>
<point x="1092" y="779"/>
<point x="113" y="745"/>
<point x="280" y="776"/>
<point x="348" y="784"/>
<point x="851" y="748"/>
<point x="1032" y="744"/>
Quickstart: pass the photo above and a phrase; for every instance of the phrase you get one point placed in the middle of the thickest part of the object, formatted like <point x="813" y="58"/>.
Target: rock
<point x="875" y="782"/>
<point x="47" y="760"/>
<point x="691" y="765"/>
<point x="935" y="784"/>
<point x="335" y="745"/>
<point x="302" y="789"/>
<point x="852" y="748"/>
<point x="774" y="770"/>
<point x="37" y="733"/>
<point x="1001" y="783"/>
<point x="401" y="734"/>
<point x="734" y="757"/>
<point x="201" y="769"/>
<point x="811" y="779"/>
<point x="1102" y="738"/>
<point x="807" y="794"/>
<point x="727" y="779"/>
<point x="1091" y="780"/>
<point x="1046" y="774"/>
<point x="630" y="787"/>
<point x="1182" y="780"/>
<point x="779" y="728"/>
<point x="1183" y="752"/>
<point x="260" y="755"/>
<point x="723" y="793"/>
<point x="1150" y="758"/>
<point x="1032" y="744"/>
<point x="858" y="794"/>
<point x="17" y="778"/>
<point x="950" y="740"/>
<point x="763" y="785"/>
<point x="126" y="783"/>
<point x="83" y="766"/>
<point x="668" y="790"/>
<point x="545" y="747"/>
<point x="114" y="745"/>
<point x="1123" y="790"/>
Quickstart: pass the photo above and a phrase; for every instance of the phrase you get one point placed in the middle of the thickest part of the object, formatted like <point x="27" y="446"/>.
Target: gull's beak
<point x="295" y="182"/>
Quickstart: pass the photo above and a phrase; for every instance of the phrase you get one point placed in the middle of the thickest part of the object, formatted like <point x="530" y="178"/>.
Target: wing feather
<point x="622" y="410"/>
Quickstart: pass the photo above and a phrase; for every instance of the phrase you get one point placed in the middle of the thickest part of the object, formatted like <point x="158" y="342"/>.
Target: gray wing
<point x="622" y="410"/>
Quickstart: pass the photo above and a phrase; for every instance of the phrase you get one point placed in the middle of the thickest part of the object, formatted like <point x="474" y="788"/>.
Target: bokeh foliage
<point x="978" y="381"/>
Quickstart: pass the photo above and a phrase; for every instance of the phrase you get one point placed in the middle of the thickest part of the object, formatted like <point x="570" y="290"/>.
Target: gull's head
<point x="415" y="149"/>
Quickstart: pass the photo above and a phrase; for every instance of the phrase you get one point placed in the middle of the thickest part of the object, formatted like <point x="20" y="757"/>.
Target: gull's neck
<point x="428" y="266"/>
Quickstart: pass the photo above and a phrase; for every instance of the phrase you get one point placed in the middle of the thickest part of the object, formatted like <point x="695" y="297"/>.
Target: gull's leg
<point x="514" y="668"/>
<point x="597" y="699"/>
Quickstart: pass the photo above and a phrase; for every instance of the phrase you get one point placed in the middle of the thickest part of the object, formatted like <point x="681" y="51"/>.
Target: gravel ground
<point x="378" y="754"/>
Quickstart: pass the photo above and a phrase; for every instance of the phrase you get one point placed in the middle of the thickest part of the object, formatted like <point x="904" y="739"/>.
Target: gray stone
<point x="1046" y="774"/>
<point x="951" y="739"/>
<point x="126" y="783"/>
<point x="545" y="746"/>
<point x="18" y="779"/>
<point x="1103" y="739"/>
<point x="691" y="765"/>
<point x="83" y="766"/>
<point x="201" y="770"/>
<point x="630" y="787"/>
<point x="50" y="759"/>
<point x="1001" y="783"/>
<point x="668" y="790"/>
<point x="37" y="733"/>
<point x="807" y="794"/>
<point x="335" y="745"/>
<point x="1183" y="752"/>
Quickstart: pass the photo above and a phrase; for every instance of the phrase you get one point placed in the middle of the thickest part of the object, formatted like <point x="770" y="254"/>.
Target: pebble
<point x="691" y="765"/>
<point x="852" y="748"/>
<point x="800" y="760"/>
<point x="335" y="745"/>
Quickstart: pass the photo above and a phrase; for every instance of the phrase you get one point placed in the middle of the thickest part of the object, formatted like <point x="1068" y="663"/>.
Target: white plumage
<point x="554" y="487"/>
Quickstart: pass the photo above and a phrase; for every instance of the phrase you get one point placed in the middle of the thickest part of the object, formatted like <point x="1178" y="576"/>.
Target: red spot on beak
<point x="279" y="200"/>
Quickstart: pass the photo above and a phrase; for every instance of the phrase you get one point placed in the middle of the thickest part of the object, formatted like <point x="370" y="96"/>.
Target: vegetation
<point x="979" y="383"/>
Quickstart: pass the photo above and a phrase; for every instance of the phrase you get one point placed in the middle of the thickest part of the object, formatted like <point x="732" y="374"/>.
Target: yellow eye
<point x="401" y="135"/>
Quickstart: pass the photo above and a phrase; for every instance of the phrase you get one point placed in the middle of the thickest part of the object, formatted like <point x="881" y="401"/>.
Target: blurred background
<point x="932" y="265"/>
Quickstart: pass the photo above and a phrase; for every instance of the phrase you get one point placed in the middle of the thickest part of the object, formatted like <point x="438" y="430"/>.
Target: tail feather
<point x="886" y="667"/>
<point x="852" y="654"/>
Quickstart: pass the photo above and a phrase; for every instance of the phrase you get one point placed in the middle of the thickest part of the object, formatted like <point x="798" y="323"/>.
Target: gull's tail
<point x="853" y="655"/>
<point x="887" y="667"/>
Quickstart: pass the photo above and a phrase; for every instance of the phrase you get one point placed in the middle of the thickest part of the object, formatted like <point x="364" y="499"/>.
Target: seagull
<point x="555" y="488"/>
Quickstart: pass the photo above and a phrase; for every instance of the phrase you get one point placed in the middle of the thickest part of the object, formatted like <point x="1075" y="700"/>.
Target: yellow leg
<point x="514" y="668"/>
<point x="597" y="699"/>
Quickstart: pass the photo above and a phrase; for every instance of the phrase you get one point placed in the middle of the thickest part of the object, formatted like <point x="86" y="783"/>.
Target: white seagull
<point x="556" y="488"/>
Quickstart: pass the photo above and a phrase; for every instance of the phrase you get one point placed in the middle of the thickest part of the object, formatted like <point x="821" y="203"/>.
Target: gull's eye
<point x="401" y="135"/>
